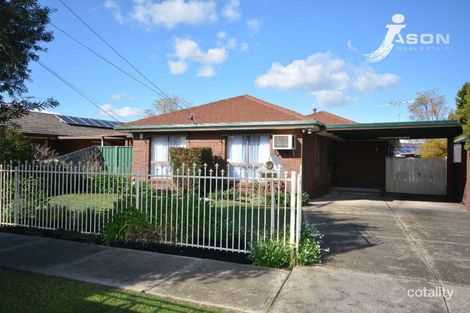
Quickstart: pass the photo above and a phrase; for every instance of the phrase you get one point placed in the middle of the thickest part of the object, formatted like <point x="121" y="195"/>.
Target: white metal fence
<point x="191" y="206"/>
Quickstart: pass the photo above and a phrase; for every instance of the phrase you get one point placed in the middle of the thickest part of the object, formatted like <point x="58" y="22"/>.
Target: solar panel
<point x="91" y="122"/>
<point x="407" y="149"/>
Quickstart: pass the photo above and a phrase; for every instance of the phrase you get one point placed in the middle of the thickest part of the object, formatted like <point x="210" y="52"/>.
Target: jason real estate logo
<point x="396" y="38"/>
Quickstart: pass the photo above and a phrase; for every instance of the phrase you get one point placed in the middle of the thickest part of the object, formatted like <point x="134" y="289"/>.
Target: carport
<point x="362" y="148"/>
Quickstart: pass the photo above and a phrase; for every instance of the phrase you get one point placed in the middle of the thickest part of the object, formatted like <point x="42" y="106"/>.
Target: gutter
<point x="401" y="125"/>
<point x="223" y="126"/>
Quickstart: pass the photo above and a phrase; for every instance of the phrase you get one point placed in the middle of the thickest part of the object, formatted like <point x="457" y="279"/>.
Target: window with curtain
<point x="159" y="153"/>
<point x="245" y="152"/>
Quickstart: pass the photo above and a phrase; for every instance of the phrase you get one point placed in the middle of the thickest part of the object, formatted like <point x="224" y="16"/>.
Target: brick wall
<point x="467" y="186"/>
<point x="290" y="160"/>
<point x="141" y="155"/>
<point x="213" y="140"/>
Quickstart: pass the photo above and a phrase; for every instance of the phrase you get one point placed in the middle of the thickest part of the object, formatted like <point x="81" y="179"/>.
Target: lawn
<point x="28" y="292"/>
<point x="81" y="202"/>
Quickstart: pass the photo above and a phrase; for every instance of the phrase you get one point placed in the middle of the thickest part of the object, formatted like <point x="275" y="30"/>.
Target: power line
<point x="119" y="54"/>
<point x="105" y="59"/>
<point x="161" y="92"/>
<point x="90" y="99"/>
<point x="83" y="94"/>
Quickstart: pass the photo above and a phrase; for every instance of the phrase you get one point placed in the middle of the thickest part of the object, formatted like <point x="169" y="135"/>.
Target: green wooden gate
<point x="118" y="159"/>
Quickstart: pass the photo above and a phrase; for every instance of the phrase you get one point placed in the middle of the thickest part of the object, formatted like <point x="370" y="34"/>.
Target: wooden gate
<point x="416" y="176"/>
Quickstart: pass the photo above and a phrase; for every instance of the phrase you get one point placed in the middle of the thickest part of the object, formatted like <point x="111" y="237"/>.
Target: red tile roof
<point x="244" y="108"/>
<point x="329" y="118"/>
<point x="238" y="109"/>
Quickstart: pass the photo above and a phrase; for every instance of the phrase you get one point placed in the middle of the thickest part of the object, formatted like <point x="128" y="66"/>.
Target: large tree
<point x="430" y="106"/>
<point x="22" y="33"/>
<point x="165" y="105"/>
<point x="462" y="113"/>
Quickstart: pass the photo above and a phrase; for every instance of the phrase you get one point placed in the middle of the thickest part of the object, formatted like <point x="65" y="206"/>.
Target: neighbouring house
<point x="66" y="134"/>
<point x="330" y="150"/>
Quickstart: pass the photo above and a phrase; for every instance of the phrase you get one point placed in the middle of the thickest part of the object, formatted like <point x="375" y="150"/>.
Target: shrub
<point x="15" y="146"/>
<point x="285" y="197"/>
<point x="278" y="253"/>
<point x="190" y="156"/>
<point x="271" y="252"/>
<point x="130" y="225"/>
<point x="310" y="246"/>
<point x="105" y="183"/>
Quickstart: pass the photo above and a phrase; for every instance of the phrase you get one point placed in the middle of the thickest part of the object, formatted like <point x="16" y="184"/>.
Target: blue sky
<point x="298" y="54"/>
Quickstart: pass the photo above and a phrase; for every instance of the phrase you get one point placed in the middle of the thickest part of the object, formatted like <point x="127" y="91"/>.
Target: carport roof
<point x="395" y="130"/>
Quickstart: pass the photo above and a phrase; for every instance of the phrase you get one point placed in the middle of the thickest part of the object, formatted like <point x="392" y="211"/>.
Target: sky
<point x="298" y="54"/>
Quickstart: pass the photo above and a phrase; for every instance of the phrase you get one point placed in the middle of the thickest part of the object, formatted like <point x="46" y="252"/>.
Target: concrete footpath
<point x="237" y="287"/>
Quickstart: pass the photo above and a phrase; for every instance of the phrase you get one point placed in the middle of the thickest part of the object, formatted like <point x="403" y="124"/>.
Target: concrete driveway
<point x="387" y="255"/>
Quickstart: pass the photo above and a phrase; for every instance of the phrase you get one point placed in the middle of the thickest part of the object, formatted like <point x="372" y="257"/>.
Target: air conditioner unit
<point x="284" y="142"/>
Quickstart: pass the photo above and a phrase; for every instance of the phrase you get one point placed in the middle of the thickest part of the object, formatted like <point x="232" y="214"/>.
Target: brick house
<point x="66" y="134"/>
<point x="331" y="150"/>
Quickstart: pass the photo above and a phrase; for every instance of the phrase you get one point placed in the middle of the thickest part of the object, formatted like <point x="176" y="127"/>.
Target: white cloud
<point x="206" y="71"/>
<point x="319" y="71"/>
<point x="221" y="35"/>
<point x="177" y="67"/>
<point x="325" y="76"/>
<point x="126" y="111"/>
<point x="350" y="46"/>
<point x="118" y="96"/>
<point x="367" y="79"/>
<point x="170" y="13"/>
<point x="329" y="98"/>
<point x="231" y="10"/>
<point x="115" y="8"/>
<point x="253" y="25"/>
<point x="243" y="46"/>
<point x="187" y="50"/>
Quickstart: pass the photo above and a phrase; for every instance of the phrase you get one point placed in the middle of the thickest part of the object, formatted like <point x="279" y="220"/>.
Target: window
<point x="159" y="153"/>
<point x="247" y="150"/>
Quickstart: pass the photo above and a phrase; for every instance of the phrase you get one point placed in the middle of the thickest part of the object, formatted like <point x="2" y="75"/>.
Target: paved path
<point x="381" y="250"/>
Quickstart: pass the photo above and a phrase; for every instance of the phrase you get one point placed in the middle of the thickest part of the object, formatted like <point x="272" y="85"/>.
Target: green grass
<point x="28" y="292"/>
<point x="81" y="202"/>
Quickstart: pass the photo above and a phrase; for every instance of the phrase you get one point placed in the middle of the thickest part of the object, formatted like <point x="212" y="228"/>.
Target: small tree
<point x="463" y="110"/>
<point x="15" y="146"/>
<point x="434" y="149"/>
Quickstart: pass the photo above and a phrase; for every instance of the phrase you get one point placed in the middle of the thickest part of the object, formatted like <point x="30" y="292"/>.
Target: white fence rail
<point x="196" y="207"/>
<point x="416" y="176"/>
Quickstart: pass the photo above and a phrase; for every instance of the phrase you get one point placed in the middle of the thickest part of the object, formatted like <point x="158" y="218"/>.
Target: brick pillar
<point x="141" y="156"/>
<point x="467" y="184"/>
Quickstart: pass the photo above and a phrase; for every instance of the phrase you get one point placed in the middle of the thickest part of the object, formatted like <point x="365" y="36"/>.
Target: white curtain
<point x="236" y="153"/>
<point x="259" y="149"/>
<point x="159" y="152"/>
<point x="247" y="149"/>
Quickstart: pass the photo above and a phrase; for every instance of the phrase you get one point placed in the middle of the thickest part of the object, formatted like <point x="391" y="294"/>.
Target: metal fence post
<point x="137" y="192"/>
<point x="292" y="207"/>
<point x="298" y="222"/>
<point x="16" y="204"/>
<point x="272" y="206"/>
